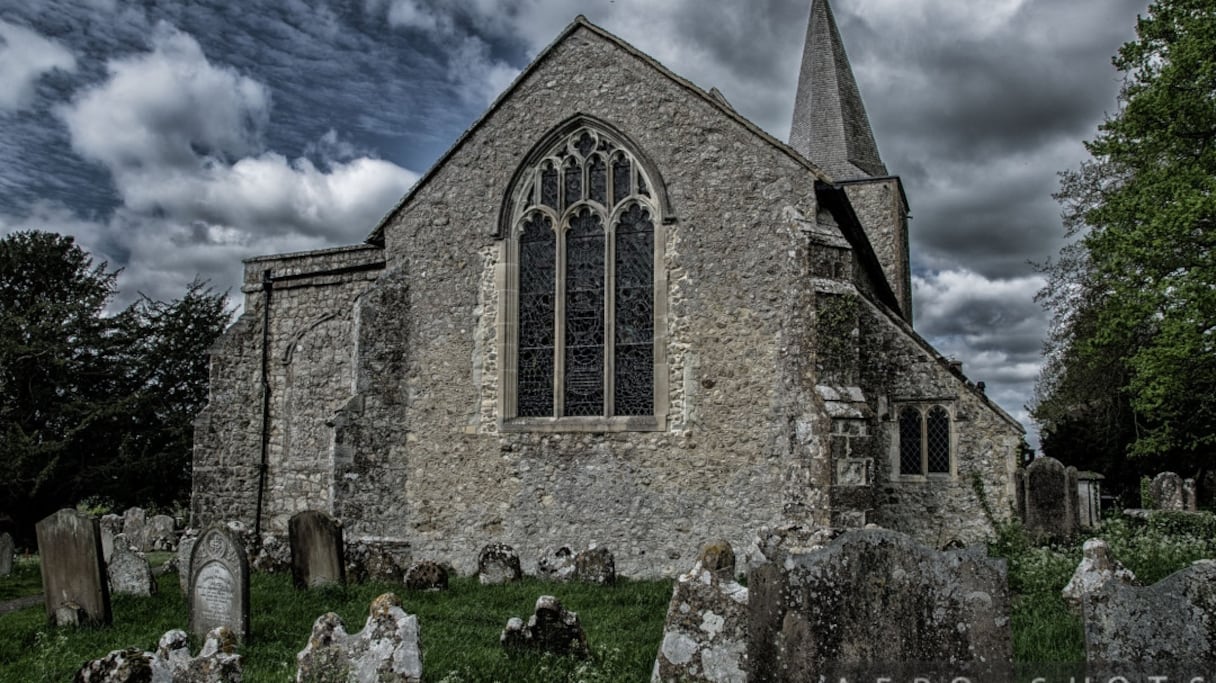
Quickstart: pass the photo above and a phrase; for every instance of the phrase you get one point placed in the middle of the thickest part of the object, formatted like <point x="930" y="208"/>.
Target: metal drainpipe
<point x="267" y="289"/>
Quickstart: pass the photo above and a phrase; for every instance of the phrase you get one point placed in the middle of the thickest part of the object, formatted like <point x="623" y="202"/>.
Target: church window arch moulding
<point x="584" y="287"/>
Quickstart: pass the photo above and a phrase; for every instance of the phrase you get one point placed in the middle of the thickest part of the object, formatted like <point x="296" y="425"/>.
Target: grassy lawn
<point x="460" y="627"/>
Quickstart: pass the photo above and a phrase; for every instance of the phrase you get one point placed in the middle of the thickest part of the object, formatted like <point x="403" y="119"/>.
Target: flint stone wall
<point x="385" y="378"/>
<point x="875" y="597"/>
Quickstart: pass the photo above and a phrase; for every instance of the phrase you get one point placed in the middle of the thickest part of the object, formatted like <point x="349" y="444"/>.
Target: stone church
<point x="615" y="311"/>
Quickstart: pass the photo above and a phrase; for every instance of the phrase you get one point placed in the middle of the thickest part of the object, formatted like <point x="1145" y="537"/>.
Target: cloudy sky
<point x="176" y="138"/>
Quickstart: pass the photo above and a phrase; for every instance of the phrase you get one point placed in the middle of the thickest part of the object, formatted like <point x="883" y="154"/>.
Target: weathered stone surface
<point x="8" y="553"/>
<point x="426" y="575"/>
<point x="217" y="662"/>
<point x="1171" y="622"/>
<point x="185" y="547"/>
<point x="555" y="563"/>
<point x="874" y="596"/>
<point x="498" y="563"/>
<point x="111" y="526"/>
<point x="69" y="545"/>
<point x="219" y="583"/>
<point x="130" y="573"/>
<point x="1166" y="490"/>
<point x="1097" y="567"/>
<point x="595" y="565"/>
<point x="773" y="545"/>
<point x="134" y="527"/>
<point x="551" y="628"/>
<point x="387" y="649"/>
<point x="316" y="550"/>
<point x="1050" y="496"/>
<point x="160" y="533"/>
<point x="380" y="560"/>
<point x="705" y="632"/>
<point x="1190" y="495"/>
<point x="272" y="552"/>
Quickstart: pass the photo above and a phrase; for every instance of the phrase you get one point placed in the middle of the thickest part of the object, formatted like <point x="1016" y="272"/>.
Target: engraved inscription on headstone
<point x="219" y="583"/>
<point x="69" y="544"/>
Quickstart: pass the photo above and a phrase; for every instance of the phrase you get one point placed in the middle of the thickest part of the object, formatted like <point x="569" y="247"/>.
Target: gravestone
<point x="1050" y="499"/>
<point x="705" y="631"/>
<point x="316" y="550"/>
<point x="1089" y="496"/>
<point x="551" y="629"/>
<point x="73" y="574"/>
<point x="1172" y="622"/>
<point x="219" y="583"/>
<point x="876" y="596"/>
<point x="498" y="563"/>
<point x="1097" y="567"/>
<point x="217" y="662"/>
<point x="111" y="526"/>
<point x="160" y="533"/>
<point x="134" y="527"/>
<point x="426" y="575"/>
<point x="387" y="649"/>
<point x="184" y="548"/>
<point x="556" y="564"/>
<point x="130" y="573"/>
<point x="1190" y="495"/>
<point x="8" y="551"/>
<point x="595" y="565"/>
<point x="380" y="560"/>
<point x="1166" y="490"/>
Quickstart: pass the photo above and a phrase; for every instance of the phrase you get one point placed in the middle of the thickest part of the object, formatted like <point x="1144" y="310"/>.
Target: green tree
<point x="92" y="403"/>
<point x="1133" y="353"/>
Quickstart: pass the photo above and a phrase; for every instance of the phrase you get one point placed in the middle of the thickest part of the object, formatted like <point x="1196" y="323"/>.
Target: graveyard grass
<point x="460" y="627"/>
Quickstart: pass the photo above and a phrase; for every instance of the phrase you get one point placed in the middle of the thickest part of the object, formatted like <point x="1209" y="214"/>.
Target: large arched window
<point x="584" y="286"/>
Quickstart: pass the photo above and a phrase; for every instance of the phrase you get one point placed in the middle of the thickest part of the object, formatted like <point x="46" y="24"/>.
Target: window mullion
<point x="559" y="323"/>
<point x="609" y="317"/>
<point x="924" y="443"/>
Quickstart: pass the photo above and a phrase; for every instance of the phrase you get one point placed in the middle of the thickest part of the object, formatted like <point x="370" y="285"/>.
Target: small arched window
<point x="583" y="293"/>
<point x="924" y="440"/>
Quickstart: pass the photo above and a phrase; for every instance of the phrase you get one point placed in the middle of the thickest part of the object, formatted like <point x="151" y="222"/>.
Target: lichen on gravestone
<point x="498" y="563"/>
<point x="551" y="629"/>
<point x="130" y="573"/>
<point x="387" y="649"/>
<point x="1097" y="567"/>
<point x="219" y="583"/>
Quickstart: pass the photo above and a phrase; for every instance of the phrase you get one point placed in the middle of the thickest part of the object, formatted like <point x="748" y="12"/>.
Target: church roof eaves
<point x="377" y="235"/>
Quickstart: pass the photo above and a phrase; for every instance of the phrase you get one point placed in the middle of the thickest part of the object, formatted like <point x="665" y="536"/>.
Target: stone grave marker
<point x="1171" y="623"/>
<point x="160" y="533"/>
<point x="595" y="565"/>
<point x="426" y="575"/>
<point x="498" y="563"/>
<point x="877" y="597"/>
<point x="551" y="629"/>
<point x="134" y="527"/>
<point x="73" y="574"/>
<point x="7" y="552"/>
<point x="316" y="550"/>
<point x="1097" y="567"/>
<point x="1050" y="499"/>
<point x="130" y="573"/>
<point x="1167" y="493"/>
<point x="219" y="583"/>
<point x="184" y="549"/>
<point x="387" y="649"/>
<point x="111" y="526"/>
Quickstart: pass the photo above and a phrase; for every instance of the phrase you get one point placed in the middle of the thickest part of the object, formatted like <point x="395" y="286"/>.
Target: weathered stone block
<point x="130" y="573"/>
<point x="875" y="596"/>
<point x="69" y="545"/>
<point x="426" y="575"/>
<point x="217" y="662"/>
<point x="134" y="527"/>
<point x="595" y="565"/>
<point x="556" y="564"/>
<point x="160" y="533"/>
<point x="705" y="631"/>
<point x="1166" y="490"/>
<point x="551" y="628"/>
<point x="498" y="563"/>
<point x="219" y="583"/>
<point x="387" y="649"/>
<point x="1097" y="567"/>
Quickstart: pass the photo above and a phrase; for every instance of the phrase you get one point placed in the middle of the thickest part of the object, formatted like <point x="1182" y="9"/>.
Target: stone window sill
<point x="632" y="423"/>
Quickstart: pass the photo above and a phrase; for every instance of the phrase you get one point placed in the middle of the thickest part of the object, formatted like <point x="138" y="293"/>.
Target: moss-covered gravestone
<point x="219" y="583"/>
<point x="73" y="574"/>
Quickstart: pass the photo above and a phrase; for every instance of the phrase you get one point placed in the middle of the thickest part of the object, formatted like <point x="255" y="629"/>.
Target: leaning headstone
<point x="219" y="583"/>
<point x="160" y="533"/>
<point x="1166" y="490"/>
<point x="111" y="526"/>
<point x="555" y="564"/>
<point x="426" y="575"/>
<point x="705" y="632"/>
<point x="73" y="574"/>
<point x="1172" y="622"/>
<point x="130" y="573"/>
<point x="595" y="565"/>
<point x="8" y="551"/>
<point x="387" y="649"/>
<point x="316" y="550"/>
<point x="184" y="549"/>
<point x="134" y="527"/>
<point x="1050" y="500"/>
<point x="217" y="662"/>
<point x="1097" y="567"/>
<point x="872" y="596"/>
<point x="498" y="563"/>
<point x="551" y="629"/>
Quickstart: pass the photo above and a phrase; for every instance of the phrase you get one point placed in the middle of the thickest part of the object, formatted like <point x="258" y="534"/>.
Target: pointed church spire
<point x="830" y="126"/>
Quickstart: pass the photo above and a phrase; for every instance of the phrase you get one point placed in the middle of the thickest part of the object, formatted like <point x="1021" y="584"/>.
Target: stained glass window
<point x="909" y="441"/>
<point x="585" y="262"/>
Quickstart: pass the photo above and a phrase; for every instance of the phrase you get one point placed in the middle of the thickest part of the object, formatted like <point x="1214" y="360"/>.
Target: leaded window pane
<point x="633" y="359"/>
<point x="620" y="179"/>
<point x="597" y="180"/>
<point x="537" y="278"/>
<point x="937" y="439"/>
<point x="909" y="441"/>
<point x="573" y="182"/>
<point x="584" y="144"/>
<point x="584" y="335"/>
<point x="548" y="186"/>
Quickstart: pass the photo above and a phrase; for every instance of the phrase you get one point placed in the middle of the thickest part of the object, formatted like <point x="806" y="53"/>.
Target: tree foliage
<point x="1132" y="357"/>
<point x="94" y="404"/>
